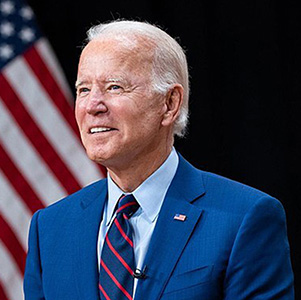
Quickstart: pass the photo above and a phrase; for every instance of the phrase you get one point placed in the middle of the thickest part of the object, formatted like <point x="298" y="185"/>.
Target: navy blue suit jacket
<point x="232" y="245"/>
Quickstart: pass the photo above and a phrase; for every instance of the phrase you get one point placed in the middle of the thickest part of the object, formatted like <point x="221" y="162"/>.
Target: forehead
<point x="104" y="55"/>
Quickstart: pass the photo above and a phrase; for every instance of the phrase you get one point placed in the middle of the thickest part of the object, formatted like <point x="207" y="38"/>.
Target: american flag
<point x="41" y="157"/>
<point x="179" y="217"/>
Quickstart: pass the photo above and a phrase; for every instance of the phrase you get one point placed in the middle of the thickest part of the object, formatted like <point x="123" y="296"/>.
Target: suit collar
<point x="92" y="203"/>
<point x="168" y="241"/>
<point x="188" y="181"/>
<point x="171" y="236"/>
<point x="93" y="192"/>
<point x="159" y="181"/>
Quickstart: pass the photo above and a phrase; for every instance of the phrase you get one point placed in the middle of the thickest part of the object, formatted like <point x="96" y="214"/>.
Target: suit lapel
<point x="170" y="236"/>
<point x="86" y="262"/>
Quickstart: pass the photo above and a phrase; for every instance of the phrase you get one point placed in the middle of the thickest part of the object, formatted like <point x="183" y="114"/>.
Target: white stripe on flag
<point x="14" y="211"/>
<point x="46" y="52"/>
<point x="27" y="158"/>
<point x="10" y="277"/>
<point x="51" y="122"/>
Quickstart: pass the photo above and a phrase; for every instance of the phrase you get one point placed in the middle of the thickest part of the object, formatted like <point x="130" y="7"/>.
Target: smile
<point x="100" y="129"/>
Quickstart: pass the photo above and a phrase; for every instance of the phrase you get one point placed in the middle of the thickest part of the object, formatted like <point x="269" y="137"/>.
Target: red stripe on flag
<point x="103" y="170"/>
<point x="37" y="138"/>
<point x="19" y="182"/>
<point x="123" y="233"/>
<point x="116" y="281"/>
<point x="45" y="77"/>
<point x="118" y="256"/>
<point x="2" y="293"/>
<point x="11" y="242"/>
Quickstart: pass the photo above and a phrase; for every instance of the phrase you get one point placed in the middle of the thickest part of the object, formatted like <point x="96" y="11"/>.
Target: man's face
<point x="118" y="114"/>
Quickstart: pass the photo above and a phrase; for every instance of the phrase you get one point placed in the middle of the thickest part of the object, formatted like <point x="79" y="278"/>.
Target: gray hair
<point x="169" y="66"/>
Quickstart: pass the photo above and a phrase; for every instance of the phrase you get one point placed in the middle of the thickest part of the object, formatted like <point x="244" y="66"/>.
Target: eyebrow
<point x="78" y="83"/>
<point x="115" y="80"/>
<point x="111" y="79"/>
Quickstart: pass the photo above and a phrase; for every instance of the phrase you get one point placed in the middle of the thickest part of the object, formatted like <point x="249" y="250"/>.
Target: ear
<point x="173" y="103"/>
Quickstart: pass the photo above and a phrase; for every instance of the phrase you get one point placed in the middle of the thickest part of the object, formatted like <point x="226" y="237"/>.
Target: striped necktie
<point x="117" y="263"/>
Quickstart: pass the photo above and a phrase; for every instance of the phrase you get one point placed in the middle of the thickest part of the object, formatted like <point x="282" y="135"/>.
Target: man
<point x="156" y="228"/>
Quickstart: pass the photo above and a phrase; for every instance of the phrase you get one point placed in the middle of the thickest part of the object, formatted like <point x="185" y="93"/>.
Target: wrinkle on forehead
<point x="128" y="47"/>
<point x="139" y="56"/>
<point x="107" y="59"/>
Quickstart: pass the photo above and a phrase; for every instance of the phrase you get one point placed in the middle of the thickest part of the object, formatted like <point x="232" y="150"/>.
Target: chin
<point x="99" y="156"/>
<point x="94" y="155"/>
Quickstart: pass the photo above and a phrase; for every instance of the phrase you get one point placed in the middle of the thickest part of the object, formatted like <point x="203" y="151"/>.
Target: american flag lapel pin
<point x="179" y="217"/>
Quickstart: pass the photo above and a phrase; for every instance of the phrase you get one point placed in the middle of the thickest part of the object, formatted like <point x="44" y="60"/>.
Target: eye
<point x="82" y="90"/>
<point x="114" y="87"/>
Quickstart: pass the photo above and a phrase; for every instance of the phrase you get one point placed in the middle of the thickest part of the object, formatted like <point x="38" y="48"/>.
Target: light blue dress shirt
<point x="150" y="195"/>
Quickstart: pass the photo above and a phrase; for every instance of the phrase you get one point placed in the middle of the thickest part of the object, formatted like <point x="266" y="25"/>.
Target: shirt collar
<point x="150" y="194"/>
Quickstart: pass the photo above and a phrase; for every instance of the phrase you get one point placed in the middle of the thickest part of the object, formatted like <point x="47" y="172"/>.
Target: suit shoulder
<point x="89" y="192"/>
<point x="234" y="195"/>
<point x="218" y="192"/>
<point x="227" y="184"/>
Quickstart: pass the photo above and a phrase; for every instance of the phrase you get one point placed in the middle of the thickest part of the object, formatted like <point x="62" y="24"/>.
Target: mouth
<point x="94" y="130"/>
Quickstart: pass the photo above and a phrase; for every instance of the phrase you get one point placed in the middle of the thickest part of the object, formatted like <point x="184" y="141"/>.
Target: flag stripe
<point x="2" y="293"/>
<point x="11" y="242"/>
<point x="19" y="182"/>
<point x="41" y="156"/>
<point x="11" y="279"/>
<point x="42" y="73"/>
<point x="36" y="137"/>
<point x="14" y="211"/>
<point x="49" y="119"/>
<point x="21" y="151"/>
<point x="45" y="50"/>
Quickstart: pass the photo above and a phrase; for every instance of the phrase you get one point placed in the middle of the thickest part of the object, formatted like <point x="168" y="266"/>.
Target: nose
<point x="96" y="103"/>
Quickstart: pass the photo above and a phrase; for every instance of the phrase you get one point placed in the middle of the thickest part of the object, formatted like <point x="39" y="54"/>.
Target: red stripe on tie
<point x="123" y="233"/>
<point x="104" y="292"/>
<point x="116" y="281"/>
<point x="119" y="257"/>
<point x="125" y="205"/>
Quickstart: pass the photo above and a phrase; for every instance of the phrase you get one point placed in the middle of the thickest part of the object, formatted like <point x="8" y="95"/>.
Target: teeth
<point x="99" y="129"/>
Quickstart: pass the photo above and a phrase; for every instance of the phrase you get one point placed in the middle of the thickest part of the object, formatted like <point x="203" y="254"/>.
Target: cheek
<point x="146" y="123"/>
<point x="78" y="114"/>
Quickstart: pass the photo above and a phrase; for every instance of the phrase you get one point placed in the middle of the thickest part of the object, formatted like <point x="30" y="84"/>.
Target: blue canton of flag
<point x="18" y="30"/>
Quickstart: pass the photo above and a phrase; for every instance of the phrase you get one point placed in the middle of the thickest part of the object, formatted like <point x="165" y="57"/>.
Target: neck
<point x="131" y="176"/>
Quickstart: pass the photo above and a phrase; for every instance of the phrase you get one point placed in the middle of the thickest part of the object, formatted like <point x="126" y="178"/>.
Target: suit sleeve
<point x="33" y="288"/>
<point x="259" y="266"/>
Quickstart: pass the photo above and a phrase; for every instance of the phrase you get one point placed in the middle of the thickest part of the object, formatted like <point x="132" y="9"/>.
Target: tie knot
<point x="127" y="205"/>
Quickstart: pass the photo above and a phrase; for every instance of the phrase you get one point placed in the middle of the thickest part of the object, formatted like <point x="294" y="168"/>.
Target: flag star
<point x="7" y="29"/>
<point x="7" y="7"/>
<point x="6" y="51"/>
<point x="26" y="35"/>
<point x="26" y="13"/>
